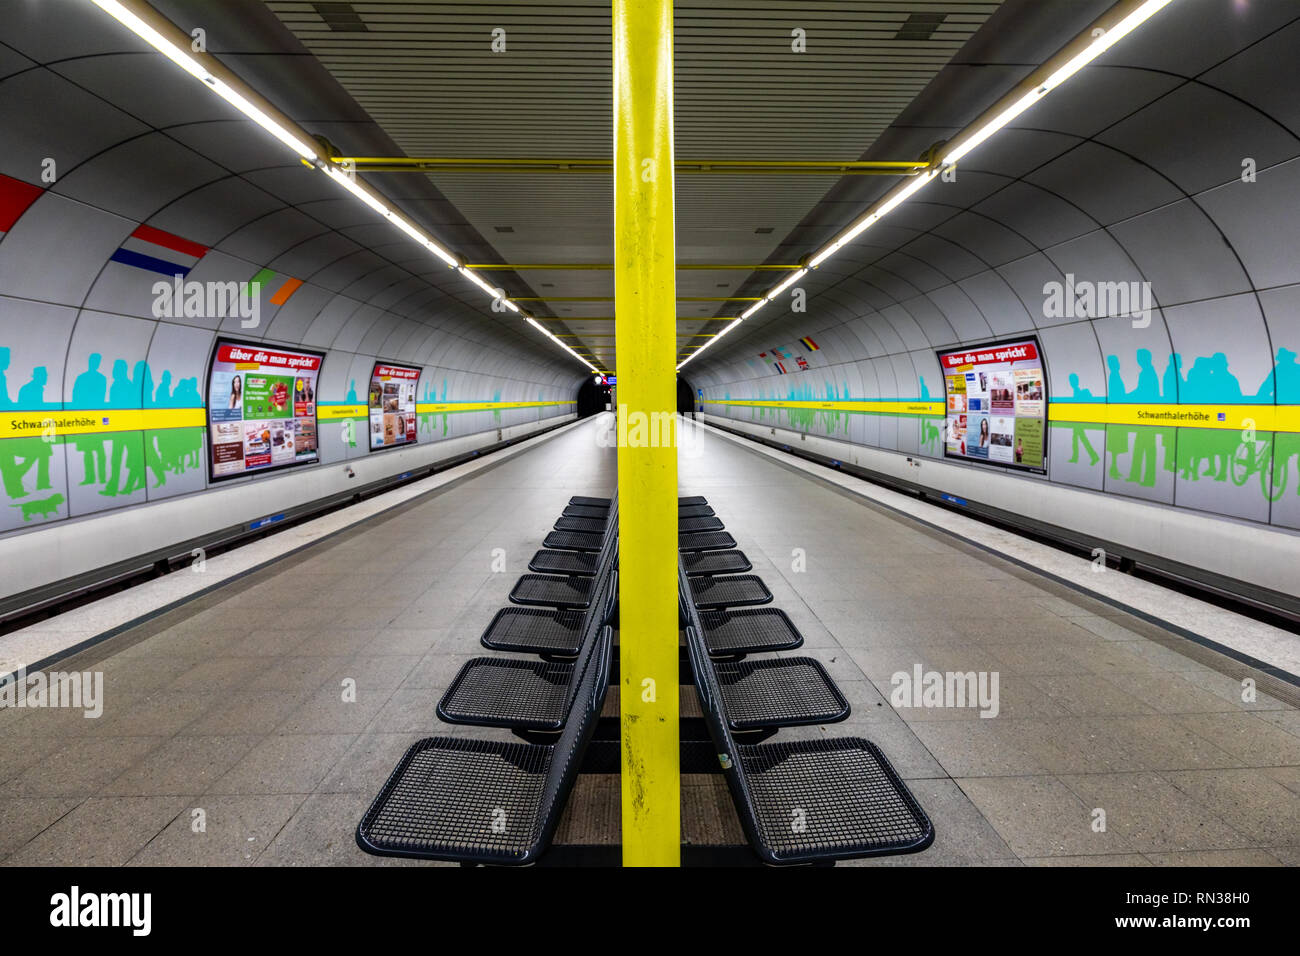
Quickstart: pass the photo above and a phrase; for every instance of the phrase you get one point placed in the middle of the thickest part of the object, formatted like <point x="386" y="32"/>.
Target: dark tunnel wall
<point x="1174" y="160"/>
<point x="117" y="171"/>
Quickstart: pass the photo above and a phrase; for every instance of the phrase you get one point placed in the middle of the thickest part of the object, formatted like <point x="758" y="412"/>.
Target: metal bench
<point x="552" y="590"/>
<point x="522" y="694"/>
<point x="605" y="502"/>
<point x="535" y="630"/>
<point x="587" y="511"/>
<point x="751" y="630"/>
<point x="771" y="693"/>
<point x="567" y="589"/>
<point x="553" y="631"/>
<point x="563" y="562"/>
<point x="694" y="511"/>
<point x="588" y="525"/>
<point x="574" y="540"/>
<point x="732" y="590"/>
<point x="703" y="541"/>
<point x="486" y="801"/>
<point x="688" y="525"/>
<point x="716" y="562"/>
<point x="810" y="801"/>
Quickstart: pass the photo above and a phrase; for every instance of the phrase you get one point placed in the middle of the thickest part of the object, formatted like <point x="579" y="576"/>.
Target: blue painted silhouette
<point x="4" y="383"/>
<point x="1283" y="383"/>
<point x="352" y="392"/>
<point x="32" y="395"/>
<point x="1172" y="384"/>
<point x="1209" y="381"/>
<point x="90" y="388"/>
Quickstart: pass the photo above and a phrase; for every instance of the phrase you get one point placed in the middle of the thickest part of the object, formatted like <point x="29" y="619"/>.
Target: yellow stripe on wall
<point x="917" y="407"/>
<point x="57" y="422"/>
<point x="95" y="421"/>
<point x="1264" y="418"/>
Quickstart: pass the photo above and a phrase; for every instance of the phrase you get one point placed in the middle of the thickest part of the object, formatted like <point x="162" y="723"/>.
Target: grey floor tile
<point x="101" y="831"/>
<point x="1040" y="816"/>
<point x="1152" y="815"/>
<point x="290" y="763"/>
<point x="225" y="831"/>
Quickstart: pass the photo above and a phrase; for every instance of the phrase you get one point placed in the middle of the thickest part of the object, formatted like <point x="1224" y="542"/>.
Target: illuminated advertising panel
<point x="997" y="404"/>
<point x="392" y="405"/>
<point x="261" y="408"/>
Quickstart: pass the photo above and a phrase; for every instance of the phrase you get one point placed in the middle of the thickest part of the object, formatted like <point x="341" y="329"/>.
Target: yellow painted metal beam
<point x="778" y="167"/>
<point x="644" y="286"/>
<point x="606" y="266"/>
<point x="610" y="298"/>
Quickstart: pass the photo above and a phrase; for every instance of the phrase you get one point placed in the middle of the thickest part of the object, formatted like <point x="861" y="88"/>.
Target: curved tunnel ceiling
<point x="1173" y="160"/>
<point x="1131" y="172"/>
<point x="135" y="142"/>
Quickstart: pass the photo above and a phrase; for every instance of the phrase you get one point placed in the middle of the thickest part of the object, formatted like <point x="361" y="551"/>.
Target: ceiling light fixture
<point x="1085" y="48"/>
<point x="173" y="43"/>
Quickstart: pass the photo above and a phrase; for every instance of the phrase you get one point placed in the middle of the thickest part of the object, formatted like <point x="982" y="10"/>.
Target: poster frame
<point x="370" y="448"/>
<point x="214" y="478"/>
<point x="1047" y="404"/>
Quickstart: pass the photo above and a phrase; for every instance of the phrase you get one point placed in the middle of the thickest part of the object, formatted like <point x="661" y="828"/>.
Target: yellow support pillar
<point x="645" y="324"/>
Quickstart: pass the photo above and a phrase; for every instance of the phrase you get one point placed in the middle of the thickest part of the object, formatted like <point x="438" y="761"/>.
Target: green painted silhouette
<point x="118" y="463"/>
<point x="1079" y="431"/>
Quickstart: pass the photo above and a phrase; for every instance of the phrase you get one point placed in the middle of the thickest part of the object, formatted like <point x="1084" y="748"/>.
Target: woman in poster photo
<point x="236" y="393"/>
<point x="984" y="433"/>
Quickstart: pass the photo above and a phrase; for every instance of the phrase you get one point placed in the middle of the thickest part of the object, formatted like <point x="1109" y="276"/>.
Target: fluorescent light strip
<point x="904" y="192"/>
<point x="182" y="57"/>
<point x="901" y="194"/>
<point x="791" y="280"/>
<point x="727" y="328"/>
<point x="1077" y="62"/>
<point x="197" y="69"/>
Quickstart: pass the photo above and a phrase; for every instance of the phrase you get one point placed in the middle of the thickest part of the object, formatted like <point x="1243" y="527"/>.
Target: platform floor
<point x="232" y="704"/>
<point x="1099" y="710"/>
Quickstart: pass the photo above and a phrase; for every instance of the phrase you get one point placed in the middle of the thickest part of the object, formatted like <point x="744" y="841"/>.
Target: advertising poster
<point x="261" y="408"/>
<point x="392" y="405"/>
<point x="997" y="404"/>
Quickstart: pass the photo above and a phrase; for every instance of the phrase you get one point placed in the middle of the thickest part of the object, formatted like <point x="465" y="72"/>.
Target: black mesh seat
<point x="694" y="511"/>
<point x="829" y="799"/>
<point x="485" y="801"/>
<point x="587" y="525"/>
<point x="591" y="502"/>
<point x="716" y="562"/>
<point x="551" y="590"/>
<point x="804" y="801"/>
<point x="586" y="511"/>
<point x="692" y="500"/>
<point x="702" y="541"/>
<point x="504" y="692"/>
<point x="778" y="693"/>
<point x="535" y="630"/>
<point x="685" y="525"/>
<point x="563" y="562"/>
<point x="574" y="541"/>
<point x="733" y="590"/>
<point x="754" y="630"/>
